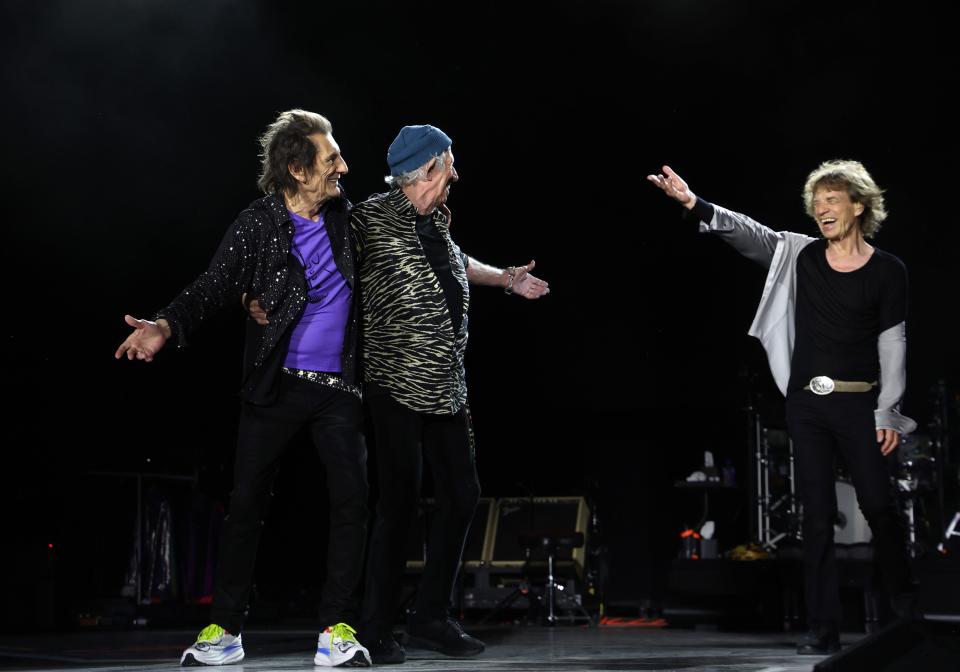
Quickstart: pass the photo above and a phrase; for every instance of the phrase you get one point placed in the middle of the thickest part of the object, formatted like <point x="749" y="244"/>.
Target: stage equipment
<point x="940" y="450"/>
<point x="916" y="480"/>
<point x="557" y="516"/>
<point x="537" y="541"/>
<point x="152" y="565"/>
<point x="774" y="495"/>
<point x="545" y="601"/>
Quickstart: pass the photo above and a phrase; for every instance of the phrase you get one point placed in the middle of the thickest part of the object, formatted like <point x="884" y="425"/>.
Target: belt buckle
<point x="822" y="385"/>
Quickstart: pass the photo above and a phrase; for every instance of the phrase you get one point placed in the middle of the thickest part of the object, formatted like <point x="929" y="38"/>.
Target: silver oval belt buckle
<point x="821" y="385"/>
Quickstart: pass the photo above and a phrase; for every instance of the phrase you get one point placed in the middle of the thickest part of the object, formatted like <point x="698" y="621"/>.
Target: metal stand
<point x="141" y="596"/>
<point x="910" y="487"/>
<point x="767" y="532"/>
<point x="754" y="468"/>
<point x="911" y="519"/>
<point x="553" y="596"/>
<point x="773" y="513"/>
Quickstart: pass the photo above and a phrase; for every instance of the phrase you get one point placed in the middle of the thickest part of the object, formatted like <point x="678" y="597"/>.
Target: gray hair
<point x="286" y="143"/>
<point x="405" y="179"/>
<point x="852" y="177"/>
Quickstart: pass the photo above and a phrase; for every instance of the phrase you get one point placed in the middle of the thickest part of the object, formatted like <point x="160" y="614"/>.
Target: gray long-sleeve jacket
<point x="775" y="322"/>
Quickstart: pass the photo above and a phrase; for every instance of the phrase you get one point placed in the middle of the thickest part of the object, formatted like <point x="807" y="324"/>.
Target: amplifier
<point x="515" y="517"/>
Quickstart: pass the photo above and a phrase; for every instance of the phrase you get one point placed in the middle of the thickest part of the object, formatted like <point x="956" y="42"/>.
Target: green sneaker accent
<point x="344" y="632"/>
<point x="211" y="633"/>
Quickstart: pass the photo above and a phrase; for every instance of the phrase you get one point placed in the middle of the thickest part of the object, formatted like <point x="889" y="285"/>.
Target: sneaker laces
<point x="211" y="633"/>
<point x="343" y="631"/>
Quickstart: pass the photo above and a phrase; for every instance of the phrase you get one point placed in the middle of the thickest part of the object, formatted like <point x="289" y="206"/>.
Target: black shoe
<point x="819" y="645"/>
<point x="445" y="636"/>
<point x="384" y="649"/>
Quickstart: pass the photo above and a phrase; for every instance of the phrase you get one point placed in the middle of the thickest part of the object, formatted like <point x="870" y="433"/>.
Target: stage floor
<point x="565" y="648"/>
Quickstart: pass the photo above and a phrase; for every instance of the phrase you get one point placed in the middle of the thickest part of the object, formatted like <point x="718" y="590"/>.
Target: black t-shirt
<point x="435" y="247"/>
<point x="841" y="314"/>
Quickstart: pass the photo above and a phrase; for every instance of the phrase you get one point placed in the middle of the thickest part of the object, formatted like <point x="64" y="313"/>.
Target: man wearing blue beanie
<point x="414" y="146"/>
<point x="414" y="296"/>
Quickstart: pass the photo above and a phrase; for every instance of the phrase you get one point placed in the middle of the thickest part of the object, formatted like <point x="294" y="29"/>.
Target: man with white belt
<point x="832" y="320"/>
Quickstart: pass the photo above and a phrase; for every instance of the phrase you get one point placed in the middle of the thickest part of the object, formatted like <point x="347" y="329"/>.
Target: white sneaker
<point x="214" y="646"/>
<point x="337" y="646"/>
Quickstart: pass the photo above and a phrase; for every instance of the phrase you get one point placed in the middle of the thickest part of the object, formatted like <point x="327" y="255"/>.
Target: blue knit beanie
<point x="414" y="146"/>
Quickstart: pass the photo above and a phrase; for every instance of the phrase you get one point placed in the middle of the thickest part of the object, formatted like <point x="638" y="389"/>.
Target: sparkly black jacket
<point x="254" y="258"/>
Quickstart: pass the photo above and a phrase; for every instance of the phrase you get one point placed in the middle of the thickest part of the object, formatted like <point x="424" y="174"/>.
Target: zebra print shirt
<point x="409" y="345"/>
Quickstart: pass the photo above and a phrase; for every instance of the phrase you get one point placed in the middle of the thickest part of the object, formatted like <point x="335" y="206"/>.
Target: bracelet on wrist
<point x="511" y="272"/>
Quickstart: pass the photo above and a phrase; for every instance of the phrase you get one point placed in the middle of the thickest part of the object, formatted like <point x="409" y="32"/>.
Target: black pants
<point x="335" y="422"/>
<point x="403" y="439"/>
<point x="821" y="427"/>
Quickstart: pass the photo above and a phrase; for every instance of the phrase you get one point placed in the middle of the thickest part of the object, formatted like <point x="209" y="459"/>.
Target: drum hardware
<point x="916" y="477"/>
<point x="778" y="510"/>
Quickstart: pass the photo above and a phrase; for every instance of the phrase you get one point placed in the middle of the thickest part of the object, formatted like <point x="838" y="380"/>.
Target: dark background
<point x="129" y="144"/>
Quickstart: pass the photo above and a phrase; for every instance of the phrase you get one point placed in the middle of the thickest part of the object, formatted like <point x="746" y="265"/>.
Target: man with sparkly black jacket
<point x="291" y="252"/>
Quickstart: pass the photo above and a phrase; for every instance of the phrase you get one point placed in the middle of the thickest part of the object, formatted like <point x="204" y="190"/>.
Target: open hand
<point x="673" y="186"/>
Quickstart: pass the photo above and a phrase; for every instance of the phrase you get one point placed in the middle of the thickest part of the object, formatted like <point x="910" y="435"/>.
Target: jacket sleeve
<point x="892" y="348"/>
<point x="358" y="230"/>
<point x="748" y="237"/>
<point x="225" y="280"/>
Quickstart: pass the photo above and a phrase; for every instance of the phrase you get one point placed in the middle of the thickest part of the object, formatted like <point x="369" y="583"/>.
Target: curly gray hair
<point x="852" y="177"/>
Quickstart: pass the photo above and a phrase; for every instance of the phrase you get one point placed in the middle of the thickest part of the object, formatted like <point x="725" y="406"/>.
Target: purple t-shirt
<point x="317" y="338"/>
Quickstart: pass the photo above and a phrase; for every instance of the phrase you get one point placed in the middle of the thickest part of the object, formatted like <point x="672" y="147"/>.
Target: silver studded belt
<point x="323" y="378"/>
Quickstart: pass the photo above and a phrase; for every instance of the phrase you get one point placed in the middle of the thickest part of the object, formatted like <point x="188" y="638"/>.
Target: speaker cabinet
<point x="516" y="516"/>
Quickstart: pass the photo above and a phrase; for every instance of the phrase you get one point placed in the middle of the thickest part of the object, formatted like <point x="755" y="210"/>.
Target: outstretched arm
<point x="513" y="279"/>
<point x="226" y="279"/>
<point x="750" y="238"/>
